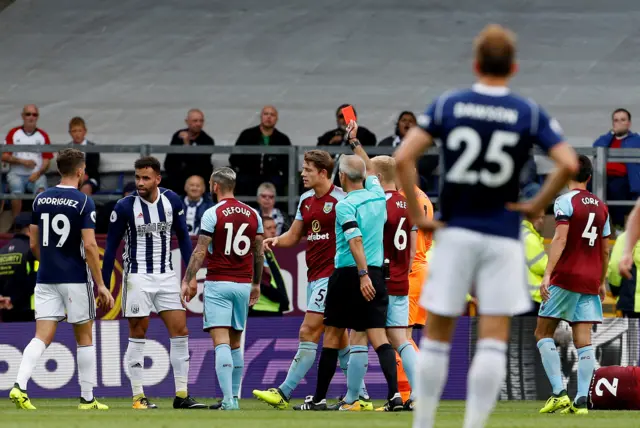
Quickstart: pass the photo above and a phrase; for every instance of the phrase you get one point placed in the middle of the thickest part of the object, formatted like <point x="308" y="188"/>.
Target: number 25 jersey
<point x="61" y="213"/>
<point x="486" y="134"/>
<point x="232" y="226"/>
<point x="580" y="266"/>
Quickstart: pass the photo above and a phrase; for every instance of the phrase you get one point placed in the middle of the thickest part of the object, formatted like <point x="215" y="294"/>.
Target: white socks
<point x="30" y="357"/>
<point x="179" y="356"/>
<point x="488" y="371"/>
<point x="433" y="368"/>
<point x="135" y="361"/>
<point x="86" y="370"/>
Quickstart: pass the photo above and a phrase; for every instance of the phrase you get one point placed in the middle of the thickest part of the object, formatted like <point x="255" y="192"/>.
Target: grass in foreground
<point x="64" y="414"/>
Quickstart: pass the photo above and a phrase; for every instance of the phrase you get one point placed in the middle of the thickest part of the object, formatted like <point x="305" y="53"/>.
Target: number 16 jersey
<point x="61" y="213"/>
<point x="580" y="266"/>
<point x="233" y="227"/>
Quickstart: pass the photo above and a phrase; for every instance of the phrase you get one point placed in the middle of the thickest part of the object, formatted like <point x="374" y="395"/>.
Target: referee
<point x="356" y="294"/>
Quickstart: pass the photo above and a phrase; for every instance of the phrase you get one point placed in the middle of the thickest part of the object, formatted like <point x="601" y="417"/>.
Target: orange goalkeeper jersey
<point x="424" y="238"/>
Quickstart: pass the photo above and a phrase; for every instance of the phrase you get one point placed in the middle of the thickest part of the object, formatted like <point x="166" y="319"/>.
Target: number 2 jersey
<point x="397" y="244"/>
<point x="615" y="388"/>
<point x="61" y="213"/>
<point x="232" y="226"/>
<point x="486" y="134"/>
<point x="579" y="268"/>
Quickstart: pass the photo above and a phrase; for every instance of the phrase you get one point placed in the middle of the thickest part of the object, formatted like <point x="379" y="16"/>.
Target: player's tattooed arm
<point x="197" y="257"/>
<point x="258" y="259"/>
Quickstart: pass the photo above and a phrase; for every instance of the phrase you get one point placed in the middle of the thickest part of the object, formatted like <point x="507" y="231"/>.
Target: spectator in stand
<point x="273" y="299"/>
<point x="406" y="121"/>
<point x="426" y="164"/>
<point x="252" y="170"/>
<point x="27" y="168"/>
<point x="18" y="269"/>
<point x="78" y="132"/>
<point x="178" y="167"/>
<point x="104" y="212"/>
<point x="623" y="179"/>
<point x="195" y="203"/>
<point x="337" y="136"/>
<point x="266" y="204"/>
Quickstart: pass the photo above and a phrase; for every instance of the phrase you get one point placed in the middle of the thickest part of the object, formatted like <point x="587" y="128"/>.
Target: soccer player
<point x="315" y="219"/>
<point x="146" y="219"/>
<point x="63" y="239"/>
<point x="486" y="133"/>
<point x="356" y="294"/>
<point x="573" y="286"/>
<point x="231" y="240"/>
<point x="615" y="388"/>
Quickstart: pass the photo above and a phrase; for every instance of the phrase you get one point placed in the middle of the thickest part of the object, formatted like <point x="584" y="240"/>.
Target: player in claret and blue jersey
<point x="63" y="239"/>
<point x="146" y="219"/>
<point x="231" y="241"/>
<point x="487" y="134"/>
<point x="573" y="286"/>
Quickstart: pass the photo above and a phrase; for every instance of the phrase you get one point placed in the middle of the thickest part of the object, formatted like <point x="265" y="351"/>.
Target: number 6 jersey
<point x="580" y="266"/>
<point x="61" y="213"/>
<point x="233" y="227"/>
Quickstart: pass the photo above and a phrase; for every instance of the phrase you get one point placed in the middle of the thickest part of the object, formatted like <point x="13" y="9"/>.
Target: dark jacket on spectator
<point x="366" y="137"/>
<point x="193" y="212"/>
<point x="391" y="140"/>
<point x="265" y="165"/>
<point x="92" y="161"/>
<point x="179" y="167"/>
<point x="632" y="141"/>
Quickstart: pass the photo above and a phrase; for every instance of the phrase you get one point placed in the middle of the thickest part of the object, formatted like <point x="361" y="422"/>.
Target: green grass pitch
<point x="62" y="413"/>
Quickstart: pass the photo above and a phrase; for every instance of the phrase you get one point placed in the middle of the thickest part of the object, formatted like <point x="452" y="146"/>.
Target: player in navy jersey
<point x="573" y="286"/>
<point x="63" y="239"/>
<point x="487" y="134"/>
<point x="231" y="241"/>
<point x="147" y="219"/>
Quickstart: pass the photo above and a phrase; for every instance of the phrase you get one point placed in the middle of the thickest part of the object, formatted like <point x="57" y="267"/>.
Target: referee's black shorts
<point x="345" y="305"/>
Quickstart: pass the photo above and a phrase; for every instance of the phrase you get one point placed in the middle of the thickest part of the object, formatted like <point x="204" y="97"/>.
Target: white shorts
<point x="75" y="302"/>
<point x="466" y="262"/>
<point x="143" y="293"/>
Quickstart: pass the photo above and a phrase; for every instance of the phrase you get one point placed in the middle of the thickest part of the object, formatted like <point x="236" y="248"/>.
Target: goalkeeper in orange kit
<point x="417" y="276"/>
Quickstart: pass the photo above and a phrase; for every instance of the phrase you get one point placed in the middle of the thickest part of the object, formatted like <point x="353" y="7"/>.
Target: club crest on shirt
<point x="328" y="206"/>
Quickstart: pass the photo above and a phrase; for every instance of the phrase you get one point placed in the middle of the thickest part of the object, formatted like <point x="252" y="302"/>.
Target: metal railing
<point x="600" y="155"/>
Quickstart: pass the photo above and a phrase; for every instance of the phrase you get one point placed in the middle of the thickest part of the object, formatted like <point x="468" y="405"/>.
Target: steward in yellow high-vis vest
<point x="536" y="257"/>
<point x="627" y="291"/>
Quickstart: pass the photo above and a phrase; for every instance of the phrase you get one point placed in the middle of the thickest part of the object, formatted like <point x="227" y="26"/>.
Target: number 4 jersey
<point x="486" y="134"/>
<point x="233" y="227"/>
<point x="61" y="213"/>
<point x="580" y="266"/>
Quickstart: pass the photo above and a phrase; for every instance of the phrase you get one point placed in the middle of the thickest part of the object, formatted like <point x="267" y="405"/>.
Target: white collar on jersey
<point x="65" y="187"/>
<point x="493" y="91"/>
<point x="151" y="203"/>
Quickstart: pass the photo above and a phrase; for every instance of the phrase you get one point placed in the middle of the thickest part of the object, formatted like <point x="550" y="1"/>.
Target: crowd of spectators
<point x="267" y="174"/>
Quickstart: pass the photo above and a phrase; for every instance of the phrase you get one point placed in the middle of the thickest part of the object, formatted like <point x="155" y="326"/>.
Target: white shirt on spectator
<point x="18" y="136"/>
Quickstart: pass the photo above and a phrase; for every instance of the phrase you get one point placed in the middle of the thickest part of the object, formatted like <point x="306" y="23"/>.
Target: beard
<point x="620" y="133"/>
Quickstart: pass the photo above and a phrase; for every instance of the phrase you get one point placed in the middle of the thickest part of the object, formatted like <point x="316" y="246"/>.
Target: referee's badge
<point x="328" y="206"/>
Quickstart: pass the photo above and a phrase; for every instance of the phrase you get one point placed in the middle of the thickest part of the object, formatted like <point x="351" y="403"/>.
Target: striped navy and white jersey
<point x="146" y="228"/>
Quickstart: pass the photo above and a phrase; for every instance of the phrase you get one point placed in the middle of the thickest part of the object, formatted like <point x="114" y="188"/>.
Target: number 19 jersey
<point x="233" y="227"/>
<point x="61" y="213"/>
<point x="487" y="134"/>
<point x="579" y="268"/>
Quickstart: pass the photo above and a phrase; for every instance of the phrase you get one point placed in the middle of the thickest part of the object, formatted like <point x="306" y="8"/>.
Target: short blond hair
<point x="495" y="50"/>
<point x="385" y="166"/>
<point x="269" y="187"/>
